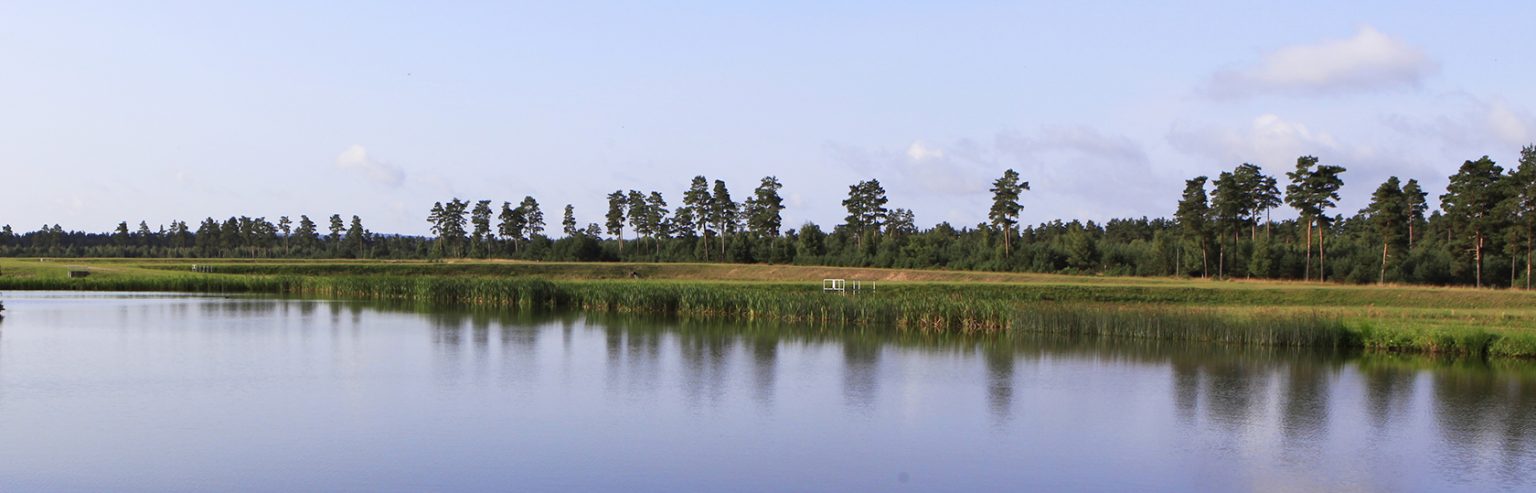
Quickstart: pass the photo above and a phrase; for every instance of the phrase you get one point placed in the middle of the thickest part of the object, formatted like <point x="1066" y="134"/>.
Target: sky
<point x="164" y="110"/>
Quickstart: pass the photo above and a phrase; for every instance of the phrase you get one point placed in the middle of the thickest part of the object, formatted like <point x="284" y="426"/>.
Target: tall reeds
<point x="914" y="308"/>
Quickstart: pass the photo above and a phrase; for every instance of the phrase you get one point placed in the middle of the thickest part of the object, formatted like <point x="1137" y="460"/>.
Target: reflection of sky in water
<point x="153" y="392"/>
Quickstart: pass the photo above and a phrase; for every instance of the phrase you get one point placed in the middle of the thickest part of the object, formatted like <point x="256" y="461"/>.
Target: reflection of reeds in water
<point x="942" y="308"/>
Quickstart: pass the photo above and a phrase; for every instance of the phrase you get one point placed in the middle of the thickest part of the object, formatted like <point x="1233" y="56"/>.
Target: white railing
<point x="844" y="286"/>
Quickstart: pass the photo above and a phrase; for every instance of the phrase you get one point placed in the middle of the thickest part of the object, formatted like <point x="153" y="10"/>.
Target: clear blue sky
<point x="113" y="111"/>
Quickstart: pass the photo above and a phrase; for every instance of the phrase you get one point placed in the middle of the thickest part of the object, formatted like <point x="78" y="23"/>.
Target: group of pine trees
<point x="236" y="237"/>
<point x="704" y="226"/>
<point x="1220" y="228"/>
<point x="1487" y="217"/>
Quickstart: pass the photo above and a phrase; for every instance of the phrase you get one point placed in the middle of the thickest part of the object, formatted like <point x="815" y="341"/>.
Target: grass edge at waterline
<point x="910" y="307"/>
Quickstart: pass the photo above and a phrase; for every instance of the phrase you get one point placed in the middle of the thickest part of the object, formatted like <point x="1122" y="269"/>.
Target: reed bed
<point x="912" y="308"/>
<point x="1188" y="324"/>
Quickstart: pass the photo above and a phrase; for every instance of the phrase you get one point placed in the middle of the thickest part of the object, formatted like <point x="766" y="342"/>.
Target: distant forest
<point x="1482" y="235"/>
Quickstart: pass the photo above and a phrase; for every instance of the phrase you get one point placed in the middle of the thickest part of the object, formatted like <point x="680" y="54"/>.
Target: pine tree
<point x="533" y="217"/>
<point x="866" y="209"/>
<point x="1229" y="205"/>
<point x="723" y="212"/>
<point x="617" y="202"/>
<point x="656" y="217"/>
<point x="765" y="208"/>
<point x="1004" y="213"/>
<point x="480" y="219"/>
<point x="1388" y="211"/>
<point x="568" y="221"/>
<point x="1413" y="196"/>
<point x="1522" y="198"/>
<point x="1193" y="216"/>
<point x="1469" y="203"/>
<point x="514" y="222"/>
<point x="693" y="217"/>
<point x="1297" y="195"/>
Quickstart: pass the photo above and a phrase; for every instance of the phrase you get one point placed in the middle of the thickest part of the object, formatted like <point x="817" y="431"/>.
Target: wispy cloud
<point x="1275" y="143"/>
<point x="356" y="159"/>
<point x="1071" y="167"/>
<point x="1469" y="125"/>
<point x="1367" y="61"/>
<point x="1267" y="140"/>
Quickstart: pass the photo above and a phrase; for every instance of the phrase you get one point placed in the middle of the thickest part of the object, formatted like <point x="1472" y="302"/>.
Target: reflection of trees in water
<point x="633" y="354"/>
<point x="335" y="313"/>
<point x="1000" y="362"/>
<point x="1519" y="430"/>
<point x="447" y="328"/>
<point x="861" y="370"/>
<point x="644" y="346"/>
<point x="1305" y="409"/>
<point x="237" y="308"/>
<point x="1476" y="408"/>
<point x="1229" y="386"/>
<point x="1484" y="410"/>
<point x="613" y="345"/>
<point x="1388" y="391"/>
<point x="1231" y="391"/>
<point x="1186" y="388"/>
<point x="480" y="332"/>
<point x="456" y="331"/>
<point x="705" y="364"/>
<point x="765" y="355"/>
<point x="452" y="328"/>
<point x="567" y="328"/>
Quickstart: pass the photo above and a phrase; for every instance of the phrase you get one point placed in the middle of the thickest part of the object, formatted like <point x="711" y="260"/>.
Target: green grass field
<point x="1405" y="318"/>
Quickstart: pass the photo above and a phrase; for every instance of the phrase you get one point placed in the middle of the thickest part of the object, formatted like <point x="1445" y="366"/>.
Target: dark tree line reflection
<point x="1485" y="412"/>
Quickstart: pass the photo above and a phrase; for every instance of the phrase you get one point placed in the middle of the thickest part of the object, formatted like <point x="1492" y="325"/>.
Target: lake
<point x="159" y="392"/>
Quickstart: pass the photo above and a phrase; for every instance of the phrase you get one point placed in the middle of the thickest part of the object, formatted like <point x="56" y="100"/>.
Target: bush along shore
<point x="902" y="307"/>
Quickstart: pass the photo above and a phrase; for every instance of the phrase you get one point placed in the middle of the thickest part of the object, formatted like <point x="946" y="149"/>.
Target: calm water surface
<point x="114" y="392"/>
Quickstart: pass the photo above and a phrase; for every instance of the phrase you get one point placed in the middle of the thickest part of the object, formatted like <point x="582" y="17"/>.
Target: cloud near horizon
<point x="1367" y="61"/>
<point x="1465" y="122"/>
<point x="356" y="159"/>
<point x="1269" y="141"/>
<point x="1069" y="165"/>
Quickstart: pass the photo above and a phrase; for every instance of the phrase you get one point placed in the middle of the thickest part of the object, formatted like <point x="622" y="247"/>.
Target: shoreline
<point x="1446" y="321"/>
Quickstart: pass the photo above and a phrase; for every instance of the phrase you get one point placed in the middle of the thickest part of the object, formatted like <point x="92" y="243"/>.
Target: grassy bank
<point x="1408" y="319"/>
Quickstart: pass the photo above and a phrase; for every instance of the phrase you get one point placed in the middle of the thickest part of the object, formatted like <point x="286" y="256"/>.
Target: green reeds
<point x="914" y="308"/>
<point x="1187" y="324"/>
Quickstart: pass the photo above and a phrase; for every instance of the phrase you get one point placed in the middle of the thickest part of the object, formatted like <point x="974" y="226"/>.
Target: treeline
<point x="236" y="237"/>
<point x="1220" y="228"/>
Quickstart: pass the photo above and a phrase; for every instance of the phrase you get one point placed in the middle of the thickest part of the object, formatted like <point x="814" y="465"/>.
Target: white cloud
<point x="356" y="159"/>
<point x="919" y="151"/>
<point x="1369" y="60"/>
